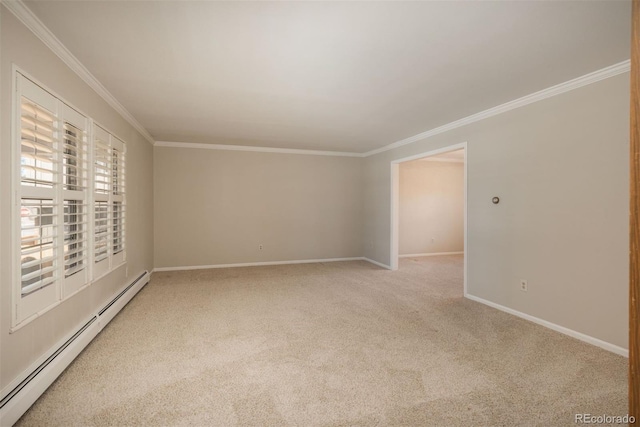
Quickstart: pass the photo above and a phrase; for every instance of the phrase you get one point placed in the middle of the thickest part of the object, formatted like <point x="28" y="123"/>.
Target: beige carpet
<point x="335" y="344"/>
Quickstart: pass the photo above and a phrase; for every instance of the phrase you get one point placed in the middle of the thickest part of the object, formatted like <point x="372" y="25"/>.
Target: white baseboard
<point x="379" y="264"/>
<point x="106" y="314"/>
<point x="430" y="254"/>
<point x="42" y="373"/>
<point x="255" y="264"/>
<point x="258" y="264"/>
<point x="22" y="401"/>
<point x="570" y="332"/>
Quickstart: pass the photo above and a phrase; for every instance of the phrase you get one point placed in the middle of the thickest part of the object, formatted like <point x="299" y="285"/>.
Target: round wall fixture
<point x="495" y="200"/>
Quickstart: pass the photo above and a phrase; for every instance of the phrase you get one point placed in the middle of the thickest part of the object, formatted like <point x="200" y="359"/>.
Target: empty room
<point x="319" y="213"/>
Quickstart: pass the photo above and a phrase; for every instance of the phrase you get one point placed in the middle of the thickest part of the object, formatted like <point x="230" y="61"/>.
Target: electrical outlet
<point x="524" y="286"/>
<point x="260" y="247"/>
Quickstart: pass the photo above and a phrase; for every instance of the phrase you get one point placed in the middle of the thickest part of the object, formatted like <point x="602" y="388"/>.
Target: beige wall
<point x="21" y="348"/>
<point x="431" y="209"/>
<point x="216" y="207"/>
<point x="560" y="168"/>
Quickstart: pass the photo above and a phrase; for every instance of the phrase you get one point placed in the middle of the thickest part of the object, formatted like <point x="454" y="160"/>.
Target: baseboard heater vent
<point x="44" y="364"/>
<point x="23" y="395"/>
<point x="124" y="291"/>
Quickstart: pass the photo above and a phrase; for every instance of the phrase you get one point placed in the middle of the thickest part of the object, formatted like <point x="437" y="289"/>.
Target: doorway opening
<point x="452" y="153"/>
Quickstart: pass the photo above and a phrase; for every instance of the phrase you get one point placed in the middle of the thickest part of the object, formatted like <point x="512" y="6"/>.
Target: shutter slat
<point x="75" y="251"/>
<point x="82" y="230"/>
<point x="29" y="250"/>
<point x="38" y="169"/>
<point x="37" y="146"/>
<point x="37" y="136"/>
<point x="31" y="122"/>
<point x="71" y="271"/>
<point x="48" y="158"/>
<point x="29" y="264"/>
<point x="35" y="111"/>
<point x="31" y="288"/>
<point x="38" y="273"/>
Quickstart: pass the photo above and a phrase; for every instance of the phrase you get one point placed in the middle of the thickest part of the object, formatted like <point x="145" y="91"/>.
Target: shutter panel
<point x="37" y="260"/>
<point x="38" y="251"/>
<point x="118" y="167"/>
<point x="118" y="227"/>
<point x="74" y="158"/>
<point x="101" y="231"/>
<point x="102" y="166"/>
<point x="74" y="180"/>
<point x="74" y="166"/>
<point x="75" y="236"/>
<point x="102" y="213"/>
<point x="38" y="137"/>
<point x="118" y="200"/>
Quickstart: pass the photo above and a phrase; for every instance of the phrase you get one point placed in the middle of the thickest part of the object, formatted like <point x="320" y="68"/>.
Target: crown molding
<point x="33" y="23"/>
<point x="255" y="149"/>
<point x="596" y="76"/>
<point x="37" y="27"/>
<point x="587" y="79"/>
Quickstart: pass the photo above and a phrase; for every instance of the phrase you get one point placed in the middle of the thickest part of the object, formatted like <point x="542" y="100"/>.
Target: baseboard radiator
<point x="39" y="378"/>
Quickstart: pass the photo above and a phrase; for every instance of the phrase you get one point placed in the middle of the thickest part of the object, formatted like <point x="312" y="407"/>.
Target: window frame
<point x="25" y="308"/>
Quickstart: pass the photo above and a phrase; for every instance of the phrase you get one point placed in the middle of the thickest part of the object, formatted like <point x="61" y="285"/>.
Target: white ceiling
<point x="343" y="76"/>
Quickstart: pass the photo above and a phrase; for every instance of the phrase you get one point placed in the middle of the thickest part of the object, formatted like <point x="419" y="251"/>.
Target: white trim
<point x="34" y="316"/>
<point x="566" y="331"/>
<point x="465" y="260"/>
<point x="20" y="403"/>
<point x="33" y="23"/>
<point x="379" y="264"/>
<point x="13" y="384"/>
<point x="395" y="204"/>
<point x="394" y="245"/>
<point x="448" y="148"/>
<point x="578" y="82"/>
<point x="255" y="149"/>
<point x="255" y="264"/>
<point x="438" y="159"/>
<point x="258" y="264"/>
<point x="14" y="183"/>
<point x="596" y="76"/>
<point x="114" y="309"/>
<point x="430" y="254"/>
<point x="15" y="69"/>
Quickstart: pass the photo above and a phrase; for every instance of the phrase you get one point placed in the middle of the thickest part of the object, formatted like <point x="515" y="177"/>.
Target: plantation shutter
<point x="75" y="179"/>
<point x="37" y="196"/>
<point x="118" y="200"/>
<point x="102" y="177"/>
<point x="68" y="201"/>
